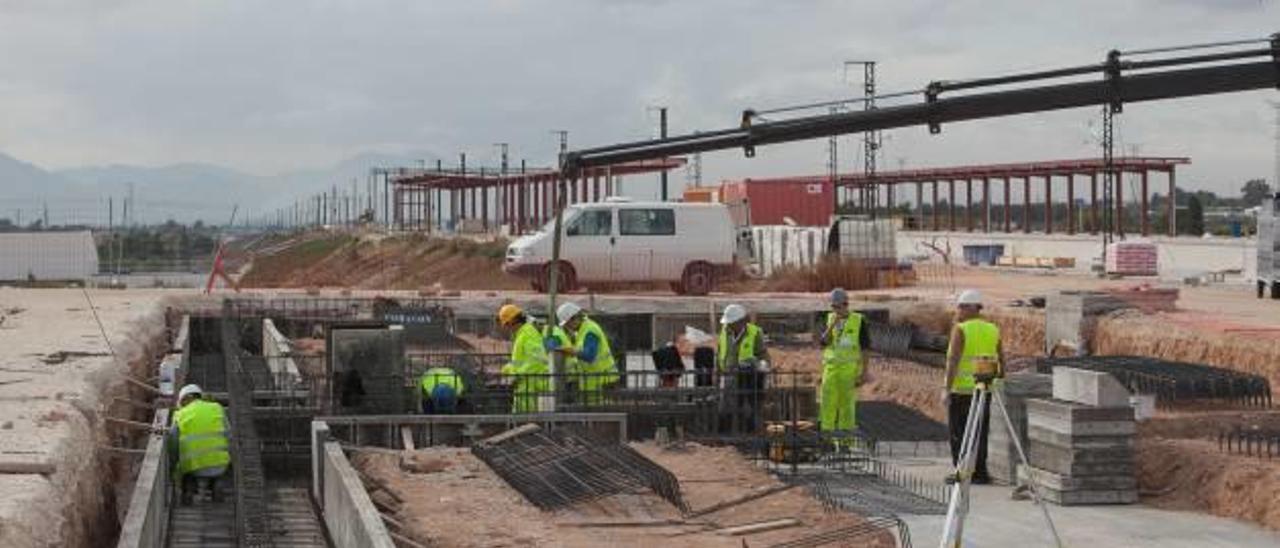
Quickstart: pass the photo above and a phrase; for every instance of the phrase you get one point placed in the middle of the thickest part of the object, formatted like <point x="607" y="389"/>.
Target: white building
<point x="47" y="256"/>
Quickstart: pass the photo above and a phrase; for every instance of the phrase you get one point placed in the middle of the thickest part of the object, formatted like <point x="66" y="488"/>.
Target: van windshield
<point x="570" y="213"/>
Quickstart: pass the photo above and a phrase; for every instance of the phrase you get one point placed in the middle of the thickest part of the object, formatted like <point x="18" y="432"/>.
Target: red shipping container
<point x="769" y="201"/>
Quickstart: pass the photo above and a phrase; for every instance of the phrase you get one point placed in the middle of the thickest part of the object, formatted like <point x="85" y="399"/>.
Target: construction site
<point x="1132" y="406"/>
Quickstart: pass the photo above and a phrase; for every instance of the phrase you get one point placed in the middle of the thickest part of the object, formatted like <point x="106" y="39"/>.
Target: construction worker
<point x="199" y="435"/>
<point x="558" y="342"/>
<point x="528" y="368"/>
<point x="442" y="387"/>
<point x="843" y="365"/>
<point x="972" y="339"/>
<point x="591" y="352"/>
<point x="743" y="361"/>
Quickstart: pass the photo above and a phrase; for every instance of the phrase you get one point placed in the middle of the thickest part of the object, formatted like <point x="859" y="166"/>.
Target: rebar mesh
<point x="1173" y="382"/>
<point x="556" y="469"/>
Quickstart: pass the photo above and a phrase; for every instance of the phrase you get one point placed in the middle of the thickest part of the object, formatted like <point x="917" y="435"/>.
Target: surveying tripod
<point x="985" y="389"/>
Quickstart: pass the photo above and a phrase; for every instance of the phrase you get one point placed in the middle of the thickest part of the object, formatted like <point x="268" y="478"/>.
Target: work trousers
<point x="839" y="409"/>
<point x="957" y="416"/>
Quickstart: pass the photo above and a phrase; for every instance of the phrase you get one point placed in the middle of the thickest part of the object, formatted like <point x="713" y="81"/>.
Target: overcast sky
<point x="269" y="86"/>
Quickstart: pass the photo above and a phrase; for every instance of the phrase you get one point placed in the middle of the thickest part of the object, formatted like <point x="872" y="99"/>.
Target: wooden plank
<point x="759" y="527"/>
<point x="740" y="500"/>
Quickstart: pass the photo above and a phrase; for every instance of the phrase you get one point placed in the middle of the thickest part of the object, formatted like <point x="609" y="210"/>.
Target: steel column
<point x="968" y="208"/>
<point x="919" y="205"/>
<point x="1026" y="204"/>
<point x="1007" y="213"/>
<point x="1146" y="223"/>
<point x="1071" y="203"/>
<point x="1048" y="204"/>
<point x="1172" y="205"/>
<point x="1119" y="194"/>
<point x="986" y="204"/>
<point x="1093" y="203"/>
<point x="937" y="224"/>
<point x="951" y="216"/>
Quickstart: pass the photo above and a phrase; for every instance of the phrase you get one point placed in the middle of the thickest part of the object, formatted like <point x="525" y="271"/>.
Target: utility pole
<point x="1275" y="181"/>
<point x="871" y="139"/>
<point x="662" y="132"/>
<point x="833" y="165"/>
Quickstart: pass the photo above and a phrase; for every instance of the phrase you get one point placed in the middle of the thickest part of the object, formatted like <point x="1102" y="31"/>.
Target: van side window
<point x="597" y="222"/>
<point x="647" y="222"/>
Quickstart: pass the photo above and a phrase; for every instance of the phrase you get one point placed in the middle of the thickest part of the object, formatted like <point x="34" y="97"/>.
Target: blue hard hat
<point x="444" y="397"/>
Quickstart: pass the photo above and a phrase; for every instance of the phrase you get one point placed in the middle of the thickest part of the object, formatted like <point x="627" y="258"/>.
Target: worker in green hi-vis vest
<point x="529" y="370"/>
<point x="844" y="362"/>
<point x="743" y="363"/>
<point x="972" y="339"/>
<point x="590" y="352"/>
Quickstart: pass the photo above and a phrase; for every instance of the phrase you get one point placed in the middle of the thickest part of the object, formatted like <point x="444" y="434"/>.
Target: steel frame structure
<point x="521" y="201"/>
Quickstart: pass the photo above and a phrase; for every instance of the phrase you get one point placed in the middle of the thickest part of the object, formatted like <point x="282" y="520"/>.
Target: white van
<point x="619" y="242"/>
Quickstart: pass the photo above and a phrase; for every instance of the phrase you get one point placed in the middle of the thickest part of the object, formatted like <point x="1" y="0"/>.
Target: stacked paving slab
<point x="1081" y="441"/>
<point x="1002" y="455"/>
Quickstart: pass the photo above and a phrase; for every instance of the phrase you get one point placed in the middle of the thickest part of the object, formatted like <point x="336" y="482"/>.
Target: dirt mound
<point x="1194" y="475"/>
<point x="380" y="262"/>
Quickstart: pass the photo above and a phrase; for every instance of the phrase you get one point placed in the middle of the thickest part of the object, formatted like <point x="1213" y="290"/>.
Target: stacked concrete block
<point x="1081" y="442"/>
<point x="1002" y="455"/>
<point x="1071" y="317"/>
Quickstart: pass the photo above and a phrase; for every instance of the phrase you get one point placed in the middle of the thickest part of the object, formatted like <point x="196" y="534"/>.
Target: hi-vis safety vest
<point x="202" y="442"/>
<point x="602" y="370"/>
<point x="981" y="340"/>
<point x="844" y="348"/>
<point x="529" y="367"/>
<point x="571" y="364"/>
<point x="746" y="347"/>
<point x="437" y="376"/>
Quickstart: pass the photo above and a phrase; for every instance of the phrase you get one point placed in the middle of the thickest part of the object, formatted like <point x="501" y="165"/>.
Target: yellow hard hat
<point x="508" y="314"/>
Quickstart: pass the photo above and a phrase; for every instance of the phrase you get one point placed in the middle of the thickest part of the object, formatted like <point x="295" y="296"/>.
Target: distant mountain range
<point x="182" y="192"/>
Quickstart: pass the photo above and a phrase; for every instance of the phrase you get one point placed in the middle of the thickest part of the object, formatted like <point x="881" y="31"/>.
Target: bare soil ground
<point x="484" y="512"/>
<point x="57" y="383"/>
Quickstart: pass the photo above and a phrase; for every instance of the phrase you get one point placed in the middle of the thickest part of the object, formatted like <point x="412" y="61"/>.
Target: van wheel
<point x="567" y="282"/>
<point x="698" y="279"/>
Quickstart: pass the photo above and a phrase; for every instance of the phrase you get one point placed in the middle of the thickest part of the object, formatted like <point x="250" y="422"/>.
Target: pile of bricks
<point x="1081" y="442"/>
<point x="1002" y="455"/>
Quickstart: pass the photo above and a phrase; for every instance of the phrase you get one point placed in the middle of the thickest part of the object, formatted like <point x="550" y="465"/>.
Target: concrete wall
<point x="350" y="516"/>
<point x="147" y="520"/>
<point x="279" y="354"/>
<point x="1179" y="257"/>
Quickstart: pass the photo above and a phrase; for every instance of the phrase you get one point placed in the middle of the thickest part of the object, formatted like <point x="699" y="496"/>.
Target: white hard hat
<point x="189" y="390"/>
<point x="839" y="296"/>
<point x="733" y="313"/>
<point x="566" y="312"/>
<point x="969" y="296"/>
